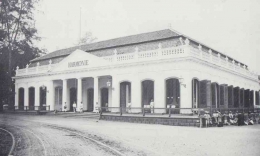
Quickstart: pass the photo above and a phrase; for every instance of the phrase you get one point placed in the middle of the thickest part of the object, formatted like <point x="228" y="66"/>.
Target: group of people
<point x="74" y="105"/>
<point x="219" y="119"/>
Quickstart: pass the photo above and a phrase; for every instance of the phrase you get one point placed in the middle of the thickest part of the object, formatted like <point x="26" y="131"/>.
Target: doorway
<point x="21" y="99"/>
<point x="104" y="98"/>
<point x="73" y="97"/>
<point x="90" y="94"/>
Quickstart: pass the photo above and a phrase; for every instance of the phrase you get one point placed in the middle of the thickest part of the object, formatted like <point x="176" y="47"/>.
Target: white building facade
<point x="163" y="66"/>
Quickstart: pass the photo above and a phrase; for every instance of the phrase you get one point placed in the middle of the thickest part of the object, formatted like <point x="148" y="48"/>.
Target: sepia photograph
<point x="129" y="78"/>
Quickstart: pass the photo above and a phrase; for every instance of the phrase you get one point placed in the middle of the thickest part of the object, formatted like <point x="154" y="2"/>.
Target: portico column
<point x="185" y="96"/>
<point x="115" y="92"/>
<point x="37" y="97"/>
<point x="79" y="93"/>
<point x="64" y="94"/>
<point x="26" y="96"/>
<point x="50" y="95"/>
<point x="159" y="94"/>
<point x="96" y="90"/>
<point x="16" y="96"/>
<point x="136" y="94"/>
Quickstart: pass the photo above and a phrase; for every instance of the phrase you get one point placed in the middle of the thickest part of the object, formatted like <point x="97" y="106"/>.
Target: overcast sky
<point x="229" y="26"/>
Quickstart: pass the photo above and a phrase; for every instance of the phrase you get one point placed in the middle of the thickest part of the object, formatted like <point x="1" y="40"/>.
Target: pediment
<point x="80" y="60"/>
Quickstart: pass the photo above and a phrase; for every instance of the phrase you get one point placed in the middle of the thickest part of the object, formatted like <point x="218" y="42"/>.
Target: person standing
<point x="81" y="107"/>
<point x="74" y="107"/>
<point x="152" y="106"/>
<point x="96" y="108"/>
<point x="65" y="107"/>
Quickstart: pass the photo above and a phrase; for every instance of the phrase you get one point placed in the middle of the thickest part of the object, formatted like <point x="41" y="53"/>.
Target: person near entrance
<point x="81" y="107"/>
<point x="96" y="108"/>
<point x="65" y="107"/>
<point x="74" y="107"/>
<point x="152" y="106"/>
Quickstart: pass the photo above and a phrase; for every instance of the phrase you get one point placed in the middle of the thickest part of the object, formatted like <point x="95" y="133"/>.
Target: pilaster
<point x="64" y="94"/>
<point x="50" y="95"/>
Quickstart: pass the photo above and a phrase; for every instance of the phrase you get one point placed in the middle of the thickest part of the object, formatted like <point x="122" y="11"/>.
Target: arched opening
<point x="256" y="98"/>
<point x="21" y="98"/>
<point x="236" y="97"/>
<point x="246" y="98"/>
<point x="58" y="98"/>
<point x="230" y="97"/>
<point x="223" y="93"/>
<point x="215" y="95"/>
<point x="204" y="94"/>
<point x="242" y="98"/>
<point x="104" y="98"/>
<point x="195" y="93"/>
<point x="125" y="94"/>
<point x="73" y="98"/>
<point x="90" y="96"/>
<point x="31" y="98"/>
<point x="173" y="94"/>
<point x="251" y="104"/>
<point x="43" y="98"/>
<point x="147" y="92"/>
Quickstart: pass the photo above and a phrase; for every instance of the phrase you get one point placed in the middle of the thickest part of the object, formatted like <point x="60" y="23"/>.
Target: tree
<point x="17" y="37"/>
<point x="87" y="38"/>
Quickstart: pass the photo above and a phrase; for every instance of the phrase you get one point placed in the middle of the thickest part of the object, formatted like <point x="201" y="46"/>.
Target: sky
<point x="229" y="26"/>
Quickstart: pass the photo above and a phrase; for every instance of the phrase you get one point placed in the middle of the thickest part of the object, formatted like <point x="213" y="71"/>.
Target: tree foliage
<point x="17" y="36"/>
<point x="87" y="38"/>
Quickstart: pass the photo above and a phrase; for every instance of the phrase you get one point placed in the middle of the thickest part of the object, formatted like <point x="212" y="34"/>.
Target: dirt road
<point x="54" y="135"/>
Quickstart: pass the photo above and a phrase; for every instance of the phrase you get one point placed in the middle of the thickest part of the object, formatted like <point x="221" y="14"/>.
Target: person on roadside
<point x="74" y="107"/>
<point x="231" y="118"/>
<point x="207" y="118"/>
<point x="220" y="121"/>
<point x="215" y="118"/>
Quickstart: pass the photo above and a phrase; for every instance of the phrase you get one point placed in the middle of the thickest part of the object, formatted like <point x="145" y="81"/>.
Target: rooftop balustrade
<point x="157" y="54"/>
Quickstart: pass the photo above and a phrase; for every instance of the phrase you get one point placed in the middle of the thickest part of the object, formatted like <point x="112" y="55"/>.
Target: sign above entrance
<point x="81" y="60"/>
<point x="77" y="63"/>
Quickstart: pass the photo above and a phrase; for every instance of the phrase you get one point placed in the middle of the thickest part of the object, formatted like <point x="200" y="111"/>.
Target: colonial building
<point x="164" y="66"/>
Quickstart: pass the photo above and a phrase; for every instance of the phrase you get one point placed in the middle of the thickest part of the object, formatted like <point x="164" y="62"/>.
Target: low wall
<point x="194" y="122"/>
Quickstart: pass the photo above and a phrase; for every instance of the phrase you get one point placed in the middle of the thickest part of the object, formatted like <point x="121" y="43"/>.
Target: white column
<point x="37" y="97"/>
<point x="79" y="93"/>
<point x="185" y="96"/>
<point x="26" y="96"/>
<point x="96" y="90"/>
<point x="159" y="94"/>
<point x="50" y="95"/>
<point x="136" y="94"/>
<point x="16" y="96"/>
<point x="64" y="94"/>
<point x="115" y="93"/>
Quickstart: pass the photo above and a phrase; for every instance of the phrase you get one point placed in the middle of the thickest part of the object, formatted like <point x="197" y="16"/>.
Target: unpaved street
<point x="65" y="135"/>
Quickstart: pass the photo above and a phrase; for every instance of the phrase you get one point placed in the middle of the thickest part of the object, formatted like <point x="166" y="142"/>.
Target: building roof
<point x="122" y="41"/>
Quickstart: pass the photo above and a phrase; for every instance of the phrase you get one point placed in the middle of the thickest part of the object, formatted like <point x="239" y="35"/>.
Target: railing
<point x="144" y="111"/>
<point x="28" y="108"/>
<point x="170" y="112"/>
<point x="220" y="61"/>
<point x="160" y="53"/>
